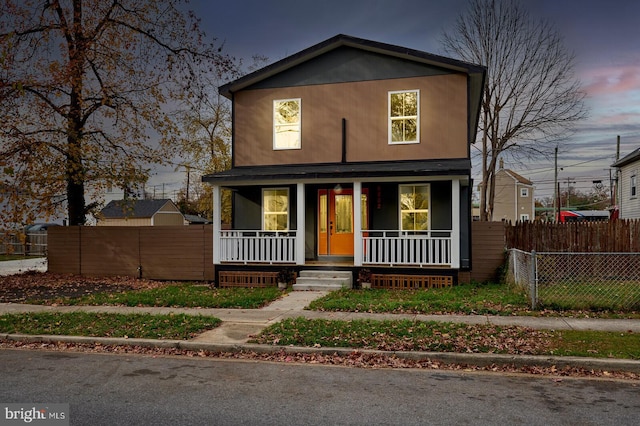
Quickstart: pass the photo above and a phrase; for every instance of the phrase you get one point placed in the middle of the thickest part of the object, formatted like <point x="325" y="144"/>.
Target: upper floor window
<point x="524" y="192"/>
<point x="275" y="209"/>
<point x="404" y="110"/>
<point x="414" y="207"/>
<point x="287" y="119"/>
<point x="634" y="186"/>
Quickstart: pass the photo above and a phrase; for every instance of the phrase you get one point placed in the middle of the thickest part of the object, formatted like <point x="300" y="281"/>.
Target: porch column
<point x="357" y="223"/>
<point x="455" y="223"/>
<point x="217" y="222"/>
<point x="300" y="221"/>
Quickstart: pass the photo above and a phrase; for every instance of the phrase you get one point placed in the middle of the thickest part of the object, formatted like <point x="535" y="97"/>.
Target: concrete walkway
<point x="11" y="267"/>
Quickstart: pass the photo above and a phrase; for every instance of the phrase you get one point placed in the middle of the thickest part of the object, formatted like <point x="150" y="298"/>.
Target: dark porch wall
<point x="384" y="199"/>
<point x="383" y="211"/>
<point x="247" y="207"/>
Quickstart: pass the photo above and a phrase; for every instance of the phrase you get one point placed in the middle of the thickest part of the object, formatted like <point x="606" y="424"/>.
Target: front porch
<point x="406" y="214"/>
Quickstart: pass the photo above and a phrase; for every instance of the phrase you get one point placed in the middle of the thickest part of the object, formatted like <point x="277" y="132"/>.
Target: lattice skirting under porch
<point x="402" y="282"/>
<point x="247" y="279"/>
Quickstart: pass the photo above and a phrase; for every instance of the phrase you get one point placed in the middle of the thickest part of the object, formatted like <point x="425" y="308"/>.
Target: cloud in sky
<point x="605" y="36"/>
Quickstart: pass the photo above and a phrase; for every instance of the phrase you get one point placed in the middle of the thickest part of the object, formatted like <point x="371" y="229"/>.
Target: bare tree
<point x="531" y="97"/>
<point x="87" y="90"/>
<point x="206" y="137"/>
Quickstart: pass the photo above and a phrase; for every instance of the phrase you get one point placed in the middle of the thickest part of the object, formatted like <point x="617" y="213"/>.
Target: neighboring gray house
<point x="627" y="187"/>
<point x="140" y="213"/>
<point x="514" y="197"/>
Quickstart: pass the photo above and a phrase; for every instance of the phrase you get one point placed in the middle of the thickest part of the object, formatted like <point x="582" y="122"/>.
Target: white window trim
<point x="633" y="186"/>
<point x="273" y="119"/>
<point x="524" y="192"/>
<point x="288" y="208"/>
<point x="524" y="217"/>
<point x="389" y="120"/>
<point x="400" y="206"/>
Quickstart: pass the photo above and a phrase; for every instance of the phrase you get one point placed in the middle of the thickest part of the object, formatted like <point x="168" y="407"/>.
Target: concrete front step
<point x="323" y="280"/>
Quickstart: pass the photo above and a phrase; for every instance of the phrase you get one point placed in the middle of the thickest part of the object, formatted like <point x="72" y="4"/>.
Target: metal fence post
<point x="534" y="281"/>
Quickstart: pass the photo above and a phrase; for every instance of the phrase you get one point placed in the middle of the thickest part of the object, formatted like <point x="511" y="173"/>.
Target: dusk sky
<point x="604" y="36"/>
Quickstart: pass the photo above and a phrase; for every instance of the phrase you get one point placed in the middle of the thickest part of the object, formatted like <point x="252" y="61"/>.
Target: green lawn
<point x="490" y="299"/>
<point x="186" y="295"/>
<point x="482" y="299"/>
<point x="407" y="335"/>
<point x="595" y="296"/>
<point x="144" y="326"/>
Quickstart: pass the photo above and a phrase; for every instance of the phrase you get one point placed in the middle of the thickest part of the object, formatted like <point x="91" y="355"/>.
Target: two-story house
<point x="513" y="199"/>
<point x="628" y="196"/>
<point x="351" y="154"/>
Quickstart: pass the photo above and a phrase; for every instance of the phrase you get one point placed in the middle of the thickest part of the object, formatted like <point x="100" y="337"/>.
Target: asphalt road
<point x="108" y="389"/>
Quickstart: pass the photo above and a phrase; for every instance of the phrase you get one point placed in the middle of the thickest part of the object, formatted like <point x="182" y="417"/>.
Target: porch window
<point x="414" y="207"/>
<point x="287" y="119"/>
<point x="404" y="110"/>
<point x="275" y="209"/>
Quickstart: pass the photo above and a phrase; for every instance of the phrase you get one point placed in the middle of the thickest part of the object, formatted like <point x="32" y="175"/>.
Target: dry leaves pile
<point x="355" y="359"/>
<point x="20" y="288"/>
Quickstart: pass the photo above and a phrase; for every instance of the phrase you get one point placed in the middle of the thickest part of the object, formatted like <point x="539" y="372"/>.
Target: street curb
<point x="479" y="359"/>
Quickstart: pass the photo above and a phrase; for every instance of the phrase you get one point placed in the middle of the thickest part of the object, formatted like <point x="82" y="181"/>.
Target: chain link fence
<point x="577" y="281"/>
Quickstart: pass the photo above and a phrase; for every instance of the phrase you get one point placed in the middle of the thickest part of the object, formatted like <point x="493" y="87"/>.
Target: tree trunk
<point x="75" y="173"/>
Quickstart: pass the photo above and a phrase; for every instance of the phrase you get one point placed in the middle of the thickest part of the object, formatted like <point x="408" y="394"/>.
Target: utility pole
<point x="188" y="174"/>
<point x="569" y="182"/>
<point x="616" y="189"/>
<point x="555" y="188"/>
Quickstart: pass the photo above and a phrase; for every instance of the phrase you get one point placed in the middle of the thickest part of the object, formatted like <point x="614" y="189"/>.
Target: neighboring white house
<point x="627" y="175"/>
<point x="514" y="197"/>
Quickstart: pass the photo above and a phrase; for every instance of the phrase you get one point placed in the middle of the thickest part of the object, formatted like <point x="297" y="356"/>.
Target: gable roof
<point x="120" y="209"/>
<point x="518" y="178"/>
<point x="476" y="73"/>
<point x="627" y="159"/>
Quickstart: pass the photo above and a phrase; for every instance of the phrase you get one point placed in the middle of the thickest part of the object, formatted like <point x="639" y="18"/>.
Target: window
<point x="634" y="186"/>
<point x="414" y="207"/>
<point x="524" y="218"/>
<point x="275" y="209"/>
<point x="524" y="192"/>
<point x="404" y="110"/>
<point x="287" y="119"/>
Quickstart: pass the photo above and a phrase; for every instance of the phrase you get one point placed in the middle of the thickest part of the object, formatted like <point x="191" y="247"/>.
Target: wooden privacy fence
<point x="154" y="252"/>
<point x="186" y="252"/>
<point x="617" y="236"/>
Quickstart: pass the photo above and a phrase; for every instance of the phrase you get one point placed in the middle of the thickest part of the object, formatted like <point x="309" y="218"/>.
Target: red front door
<point x="335" y="221"/>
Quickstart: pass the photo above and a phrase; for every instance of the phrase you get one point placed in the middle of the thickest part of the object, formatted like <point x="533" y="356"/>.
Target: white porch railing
<point x="423" y="248"/>
<point x="419" y="248"/>
<point x="257" y="246"/>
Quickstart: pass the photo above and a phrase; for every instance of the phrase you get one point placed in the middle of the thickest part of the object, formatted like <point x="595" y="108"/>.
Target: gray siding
<point x="629" y="206"/>
<point x="347" y="64"/>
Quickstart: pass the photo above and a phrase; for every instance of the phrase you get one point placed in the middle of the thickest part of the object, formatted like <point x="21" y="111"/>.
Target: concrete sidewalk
<point x="239" y="325"/>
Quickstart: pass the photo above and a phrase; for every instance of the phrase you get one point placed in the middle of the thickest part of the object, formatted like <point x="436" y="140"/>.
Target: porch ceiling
<point x="340" y="171"/>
